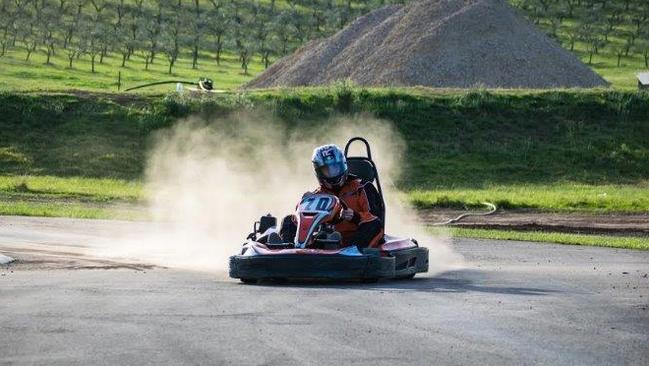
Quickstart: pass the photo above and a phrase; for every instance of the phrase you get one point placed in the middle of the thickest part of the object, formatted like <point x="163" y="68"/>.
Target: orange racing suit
<point x="352" y="193"/>
<point x="363" y="230"/>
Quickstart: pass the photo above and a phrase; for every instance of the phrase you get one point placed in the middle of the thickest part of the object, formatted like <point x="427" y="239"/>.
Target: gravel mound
<point x="435" y="43"/>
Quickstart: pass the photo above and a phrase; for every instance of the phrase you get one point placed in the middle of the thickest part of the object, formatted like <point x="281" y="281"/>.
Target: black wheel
<point x="370" y="280"/>
<point x="249" y="281"/>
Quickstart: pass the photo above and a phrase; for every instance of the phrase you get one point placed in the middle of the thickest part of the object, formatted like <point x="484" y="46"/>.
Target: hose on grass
<point x="204" y="84"/>
<point x="492" y="210"/>
<point x="161" y="83"/>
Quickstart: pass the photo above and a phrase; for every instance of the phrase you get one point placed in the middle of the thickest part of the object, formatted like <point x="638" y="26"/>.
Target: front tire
<point x="249" y="281"/>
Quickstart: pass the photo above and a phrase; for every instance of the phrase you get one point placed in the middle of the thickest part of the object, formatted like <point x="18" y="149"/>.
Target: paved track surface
<point x="515" y="303"/>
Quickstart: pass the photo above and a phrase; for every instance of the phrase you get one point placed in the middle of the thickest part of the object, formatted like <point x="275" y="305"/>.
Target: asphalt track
<point x="515" y="304"/>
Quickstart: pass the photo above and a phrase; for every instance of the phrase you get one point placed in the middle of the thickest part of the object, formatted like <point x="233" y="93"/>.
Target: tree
<point x="247" y="48"/>
<point x="613" y="18"/>
<point x="28" y="20"/>
<point x="101" y="19"/>
<point x="51" y="24"/>
<point x="261" y="22"/>
<point x="642" y="47"/>
<point x="90" y="40"/>
<point x="170" y="36"/>
<point x="71" y="19"/>
<point x="573" y="33"/>
<point x="7" y="24"/>
<point x="74" y="49"/>
<point x="640" y="16"/>
<point x="218" y="24"/>
<point x="243" y="36"/>
<point x="135" y="30"/>
<point x="589" y="34"/>
<point x="125" y="36"/>
<point x="198" y="23"/>
<point x="284" y="31"/>
<point x="150" y="33"/>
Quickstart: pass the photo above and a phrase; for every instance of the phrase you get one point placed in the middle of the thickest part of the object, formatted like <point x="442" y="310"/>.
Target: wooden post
<point x="119" y="80"/>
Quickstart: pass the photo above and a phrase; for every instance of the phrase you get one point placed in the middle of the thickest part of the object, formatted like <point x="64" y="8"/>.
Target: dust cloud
<point x="207" y="182"/>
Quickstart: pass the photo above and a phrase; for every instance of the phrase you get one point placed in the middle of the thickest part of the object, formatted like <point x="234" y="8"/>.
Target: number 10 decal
<point x="321" y="205"/>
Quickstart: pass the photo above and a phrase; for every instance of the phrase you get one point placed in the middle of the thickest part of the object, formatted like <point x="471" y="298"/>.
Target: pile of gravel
<point x="435" y="43"/>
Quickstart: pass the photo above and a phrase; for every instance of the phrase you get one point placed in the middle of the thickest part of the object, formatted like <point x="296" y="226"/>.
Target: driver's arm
<point x="361" y="207"/>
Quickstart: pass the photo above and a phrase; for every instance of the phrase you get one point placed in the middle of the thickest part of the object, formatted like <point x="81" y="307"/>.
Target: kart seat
<point x="365" y="170"/>
<point x="362" y="168"/>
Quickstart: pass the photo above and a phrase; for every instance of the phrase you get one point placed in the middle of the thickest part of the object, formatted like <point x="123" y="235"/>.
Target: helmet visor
<point x="332" y="170"/>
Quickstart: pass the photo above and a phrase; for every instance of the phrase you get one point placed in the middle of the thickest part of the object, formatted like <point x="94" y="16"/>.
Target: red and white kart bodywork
<point x="317" y="251"/>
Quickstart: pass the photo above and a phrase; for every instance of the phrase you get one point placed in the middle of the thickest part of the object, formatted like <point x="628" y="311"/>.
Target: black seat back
<point x="362" y="168"/>
<point x="365" y="169"/>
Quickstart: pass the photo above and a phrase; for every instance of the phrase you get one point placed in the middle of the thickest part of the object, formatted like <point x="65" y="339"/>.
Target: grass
<point x="58" y="208"/>
<point x="558" y="197"/>
<point x="34" y="75"/>
<point x="554" y="150"/>
<point x="604" y="63"/>
<point x="75" y="197"/>
<point x="91" y="189"/>
<point x="639" y="243"/>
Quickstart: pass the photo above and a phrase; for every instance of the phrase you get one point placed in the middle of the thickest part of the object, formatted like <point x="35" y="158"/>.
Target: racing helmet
<point x="330" y="165"/>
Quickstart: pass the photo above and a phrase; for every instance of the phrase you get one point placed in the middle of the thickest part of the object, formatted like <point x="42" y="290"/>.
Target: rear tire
<point x="249" y="281"/>
<point x="370" y="280"/>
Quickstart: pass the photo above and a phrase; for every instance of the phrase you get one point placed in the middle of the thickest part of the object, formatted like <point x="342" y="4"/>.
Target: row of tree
<point x="167" y="28"/>
<point x="620" y="26"/>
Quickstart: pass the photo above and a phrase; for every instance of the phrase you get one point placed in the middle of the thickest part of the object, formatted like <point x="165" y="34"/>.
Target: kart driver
<point x="358" y="226"/>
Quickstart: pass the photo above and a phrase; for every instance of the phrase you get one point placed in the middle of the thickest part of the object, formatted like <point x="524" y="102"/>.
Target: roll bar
<point x="367" y="147"/>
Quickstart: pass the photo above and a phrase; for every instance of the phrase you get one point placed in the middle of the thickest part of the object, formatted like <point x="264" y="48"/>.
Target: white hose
<point x="492" y="210"/>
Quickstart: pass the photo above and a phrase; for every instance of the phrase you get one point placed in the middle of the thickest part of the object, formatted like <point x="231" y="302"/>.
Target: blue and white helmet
<point x="330" y="166"/>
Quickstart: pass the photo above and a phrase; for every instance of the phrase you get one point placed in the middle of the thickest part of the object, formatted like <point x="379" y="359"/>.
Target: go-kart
<point x="317" y="251"/>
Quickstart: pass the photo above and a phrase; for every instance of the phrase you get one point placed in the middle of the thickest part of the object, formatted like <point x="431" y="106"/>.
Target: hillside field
<point x="16" y="74"/>
<point x="610" y="21"/>
<point x="553" y="151"/>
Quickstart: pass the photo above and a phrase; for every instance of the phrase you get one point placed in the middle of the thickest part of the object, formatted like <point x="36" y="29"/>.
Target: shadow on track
<point x="454" y="282"/>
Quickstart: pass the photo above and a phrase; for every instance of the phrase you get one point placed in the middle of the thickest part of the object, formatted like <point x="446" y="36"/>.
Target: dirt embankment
<point x="522" y="220"/>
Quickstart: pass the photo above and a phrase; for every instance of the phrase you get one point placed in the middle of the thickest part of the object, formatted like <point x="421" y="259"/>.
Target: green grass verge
<point x="92" y="189"/>
<point x="640" y="243"/>
<point x="71" y="209"/>
<point x="559" y="197"/>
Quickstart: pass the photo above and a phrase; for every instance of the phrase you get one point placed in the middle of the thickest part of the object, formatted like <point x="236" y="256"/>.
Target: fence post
<point x="119" y="80"/>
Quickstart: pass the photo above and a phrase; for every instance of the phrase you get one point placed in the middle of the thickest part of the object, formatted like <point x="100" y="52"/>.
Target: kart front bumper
<point x="400" y="264"/>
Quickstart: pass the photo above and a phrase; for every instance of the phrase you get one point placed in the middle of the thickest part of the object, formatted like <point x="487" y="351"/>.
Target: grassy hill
<point x="555" y="150"/>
